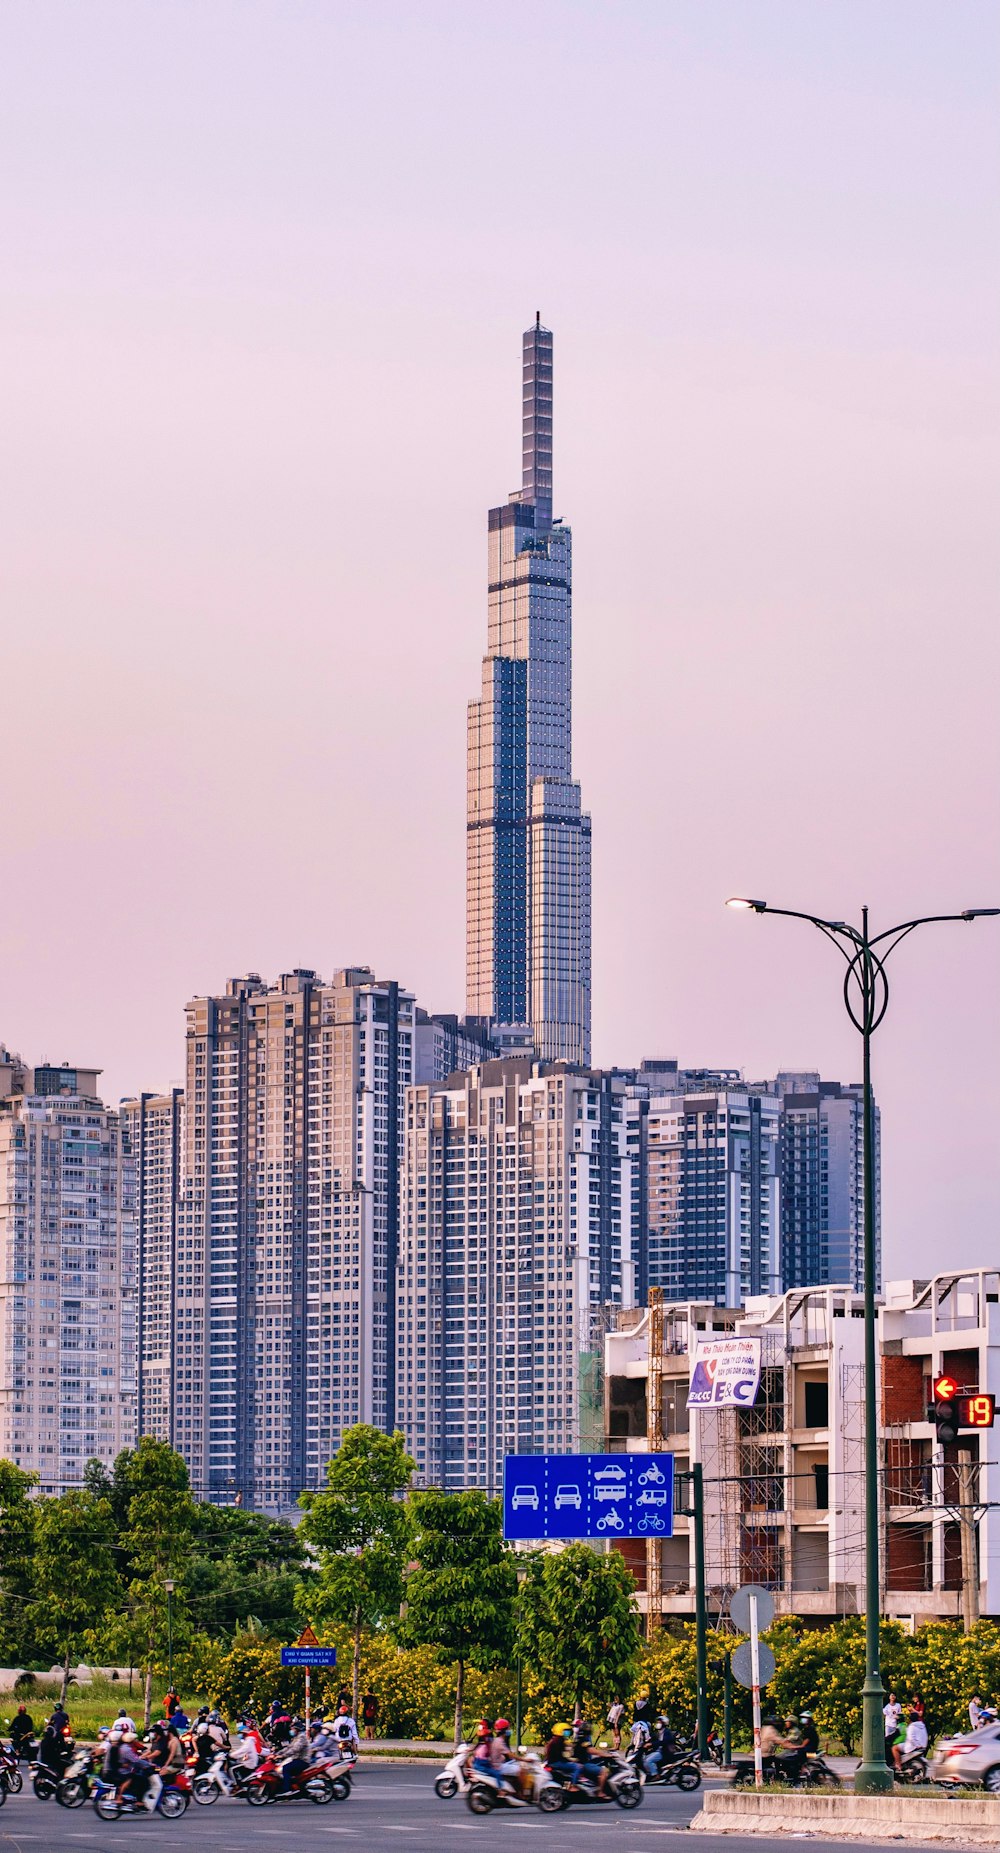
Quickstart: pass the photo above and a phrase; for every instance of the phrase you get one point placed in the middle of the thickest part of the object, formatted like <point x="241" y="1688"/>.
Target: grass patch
<point x="89" y="1706"/>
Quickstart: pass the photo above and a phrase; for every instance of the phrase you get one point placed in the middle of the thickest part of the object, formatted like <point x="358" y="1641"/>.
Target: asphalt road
<point x="389" y="1807"/>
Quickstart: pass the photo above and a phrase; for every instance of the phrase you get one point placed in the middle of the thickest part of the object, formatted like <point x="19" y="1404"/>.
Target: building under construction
<point x="784" y="1479"/>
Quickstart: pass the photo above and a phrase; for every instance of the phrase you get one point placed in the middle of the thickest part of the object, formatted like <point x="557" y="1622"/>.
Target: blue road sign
<point x="588" y="1496"/>
<point x="309" y="1656"/>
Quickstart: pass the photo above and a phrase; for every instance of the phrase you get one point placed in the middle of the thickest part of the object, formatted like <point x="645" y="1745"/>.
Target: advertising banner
<point x="725" y="1373"/>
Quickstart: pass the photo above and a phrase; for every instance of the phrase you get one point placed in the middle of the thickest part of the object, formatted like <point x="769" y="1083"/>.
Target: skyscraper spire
<point x="536" y="457"/>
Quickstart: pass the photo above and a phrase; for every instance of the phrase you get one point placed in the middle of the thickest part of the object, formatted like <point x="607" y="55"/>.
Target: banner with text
<point x="725" y="1373"/>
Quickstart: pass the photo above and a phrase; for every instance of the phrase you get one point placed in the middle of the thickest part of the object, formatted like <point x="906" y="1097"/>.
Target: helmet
<point x="215" y="1717"/>
<point x="502" y="1724"/>
<point x="131" y="1737"/>
<point x="482" y="1728"/>
<point x="298" y="1724"/>
<point x="202" y="1711"/>
<point x="562" y="1730"/>
<point x="805" y="1717"/>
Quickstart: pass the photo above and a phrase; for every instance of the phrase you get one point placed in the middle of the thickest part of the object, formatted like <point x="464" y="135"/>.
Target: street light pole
<point x="866" y="996"/>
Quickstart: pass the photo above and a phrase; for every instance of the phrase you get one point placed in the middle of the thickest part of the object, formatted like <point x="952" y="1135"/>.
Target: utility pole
<point x="967" y="1529"/>
<point x="654" y="1442"/>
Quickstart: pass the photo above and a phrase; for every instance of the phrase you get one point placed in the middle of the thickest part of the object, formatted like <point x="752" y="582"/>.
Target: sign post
<point x="751" y="1610"/>
<point x="307" y="1653"/>
<point x="758" y="1768"/>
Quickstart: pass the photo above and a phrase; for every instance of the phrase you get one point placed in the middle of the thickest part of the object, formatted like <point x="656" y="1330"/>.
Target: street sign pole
<point x="700" y="1609"/>
<point x="727" y="1712"/>
<point x="758" y="1770"/>
<point x="307" y="1698"/>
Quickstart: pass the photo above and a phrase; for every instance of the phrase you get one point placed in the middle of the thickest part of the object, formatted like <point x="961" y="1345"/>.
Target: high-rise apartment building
<point x="516" y="1235"/>
<point x="713" y="1194"/>
<point x="822" y="1183"/>
<point x="528" y="839"/>
<point x="153" y="1133"/>
<point x="287" y="1240"/>
<point x="68" y="1286"/>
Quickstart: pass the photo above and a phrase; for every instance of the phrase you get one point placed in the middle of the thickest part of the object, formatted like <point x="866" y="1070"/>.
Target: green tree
<point x="74" y="1579"/>
<point x="358" y="1526"/>
<point x="460" y="1598"/>
<point x="157" y="1541"/>
<point x="113" y="1486"/>
<point x="17" y="1532"/>
<point x="578" y="1628"/>
<point x="246" y="1568"/>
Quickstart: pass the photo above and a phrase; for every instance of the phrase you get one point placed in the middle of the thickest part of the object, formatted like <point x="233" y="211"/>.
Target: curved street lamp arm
<point x="897" y="933"/>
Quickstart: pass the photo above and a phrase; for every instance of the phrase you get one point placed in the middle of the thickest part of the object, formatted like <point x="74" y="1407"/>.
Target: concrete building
<point x="286" y="1256"/>
<point x="443" y="1045"/>
<point x="713" y="1194"/>
<point x="516" y="1236"/>
<point x="822" y="1190"/>
<point x="153" y="1134"/>
<point x="68" y="1389"/>
<point x="785" y="1479"/>
<point x="528" y="839"/>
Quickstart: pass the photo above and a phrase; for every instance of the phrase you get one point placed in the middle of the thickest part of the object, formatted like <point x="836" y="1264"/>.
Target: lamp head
<point x="741" y="901"/>
<point x="979" y="913"/>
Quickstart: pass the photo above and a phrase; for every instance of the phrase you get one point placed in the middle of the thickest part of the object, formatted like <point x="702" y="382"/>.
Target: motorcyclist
<point x="345" y="1728"/>
<point x="482" y="1744"/>
<point x="124" y="1723"/>
<point x="22" y="1730"/>
<point x="297" y="1755"/>
<point x="325" y="1747"/>
<point x="504" y="1762"/>
<point x="249" y="1746"/>
<point x="583" y="1751"/>
<point x="557" y="1755"/>
<point x="664" y="1746"/>
<point x="280" y="1726"/>
<point x="142" y="1780"/>
<point x="914" y="1743"/>
<point x="810" y="1735"/>
<point x="166" y="1752"/>
<point x="55" y="1747"/>
<point x="792" y="1756"/>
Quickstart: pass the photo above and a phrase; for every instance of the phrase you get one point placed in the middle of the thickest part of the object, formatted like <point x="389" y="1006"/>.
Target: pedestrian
<point x="891" y="1713"/>
<point x="917" y="1708"/>
<point x="171" y="1703"/>
<point x="369" y="1713"/>
<point x="975" y="1711"/>
<point x="616" y="1713"/>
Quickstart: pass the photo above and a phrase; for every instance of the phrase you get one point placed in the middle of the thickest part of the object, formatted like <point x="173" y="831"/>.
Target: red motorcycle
<point x="266" y="1784"/>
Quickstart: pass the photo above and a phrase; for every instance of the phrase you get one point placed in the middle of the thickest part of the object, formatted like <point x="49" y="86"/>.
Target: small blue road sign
<point x="309" y="1656"/>
<point x="588" y="1496"/>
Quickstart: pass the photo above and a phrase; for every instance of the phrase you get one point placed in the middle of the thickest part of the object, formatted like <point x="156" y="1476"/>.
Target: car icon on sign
<point x="650" y="1522"/>
<point x="568" y="1496"/>
<point x="610" y="1473"/>
<point x="524" y="1496"/>
<point x="651" y="1477"/>
<point x="612" y="1521"/>
<point x="652" y="1498"/>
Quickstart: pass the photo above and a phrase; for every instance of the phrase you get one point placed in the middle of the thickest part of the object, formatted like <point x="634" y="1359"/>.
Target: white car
<point x="652" y="1476"/>
<point x="524" y="1496"/>
<point x="611" y="1521"/>
<point x="568" y="1496"/>
<point x="652" y="1498"/>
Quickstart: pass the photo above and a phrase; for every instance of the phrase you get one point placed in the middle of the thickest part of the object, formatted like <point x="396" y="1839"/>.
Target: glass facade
<point x="528" y="839"/>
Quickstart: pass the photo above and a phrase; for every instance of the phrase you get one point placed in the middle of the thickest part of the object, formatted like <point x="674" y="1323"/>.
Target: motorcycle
<point x="224" y="1776"/>
<point x="266" y="1784"/>
<point x="486" y="1792"/>
<point x="45" y="1779"/>
<point x="914" y="1769"/>
<point x="681" y="1769"/>
<point x="715" y="1744"/>
<point x="75" y="1786"/>
<point x="11" y="1779"/>
<point x="453" y="1779"/>
<point x="171" y="1801"/>
<point x="623" y="1785"/>
<point x="815" y="1773"/>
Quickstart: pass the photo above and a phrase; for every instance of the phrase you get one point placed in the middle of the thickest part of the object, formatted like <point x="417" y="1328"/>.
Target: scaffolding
<point x="654" y="1437"/>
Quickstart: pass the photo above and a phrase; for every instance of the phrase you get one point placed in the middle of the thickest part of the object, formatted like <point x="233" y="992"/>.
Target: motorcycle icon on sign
<point x="611" y="1521"/>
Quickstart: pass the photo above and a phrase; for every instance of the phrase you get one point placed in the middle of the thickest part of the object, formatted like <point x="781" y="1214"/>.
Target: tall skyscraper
<point x="153" y="1133"/>
<point x="287" y="1239"/>
<point x="516" y="1235"/>
<point x="68" y="1281"/>
<point x="528" y="839"/>
<point x="822" y="1183"/>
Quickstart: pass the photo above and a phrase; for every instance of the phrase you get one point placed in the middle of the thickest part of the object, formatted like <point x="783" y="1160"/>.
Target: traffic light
<point x="944" y="1409"/>
<point x="950" y="1412"/>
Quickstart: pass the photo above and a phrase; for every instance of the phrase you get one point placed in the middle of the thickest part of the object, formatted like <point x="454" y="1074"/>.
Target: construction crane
<point x="654" y="1441"/>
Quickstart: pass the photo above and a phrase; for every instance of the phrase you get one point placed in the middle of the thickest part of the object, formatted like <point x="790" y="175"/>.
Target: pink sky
<point x="265" y="270"/>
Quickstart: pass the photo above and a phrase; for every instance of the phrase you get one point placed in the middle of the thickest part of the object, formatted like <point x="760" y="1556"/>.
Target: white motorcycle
<point x="484" y="1793"/>
<point x="453" y="1779"/>
<point x="225" y="1775"/>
